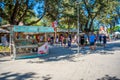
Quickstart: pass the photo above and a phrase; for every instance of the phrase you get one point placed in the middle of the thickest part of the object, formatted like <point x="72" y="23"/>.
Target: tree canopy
<point x="32" y="12"/>
<point x="16" y="11"/>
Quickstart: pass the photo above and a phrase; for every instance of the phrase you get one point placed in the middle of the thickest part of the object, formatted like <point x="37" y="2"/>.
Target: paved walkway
<point x="66" y="64"/>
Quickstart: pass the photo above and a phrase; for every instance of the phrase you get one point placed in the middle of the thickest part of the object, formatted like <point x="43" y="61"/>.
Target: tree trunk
<point x="33" y="22"/>
<point x="91" y="28"/>
<point x="111" y="28"/>
<point x="86" y="26"/>
<point x="24" y="13"/>
<point x="68" y="26"/>
<point x="14" y="13"/>
<point x="81" y="27"/>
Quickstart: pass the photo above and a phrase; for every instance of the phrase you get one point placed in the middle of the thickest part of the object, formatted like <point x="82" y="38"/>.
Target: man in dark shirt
<point x="82" y="40"/>
<point x="104" y="40"/>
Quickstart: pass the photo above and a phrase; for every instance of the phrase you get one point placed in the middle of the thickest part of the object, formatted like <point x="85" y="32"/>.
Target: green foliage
<point x="65" y="11"/>
<point x="116" y="28"/>
<point x="113" y="29"/>
<point x="16" y="11"/>
<point x="108" y="14"/>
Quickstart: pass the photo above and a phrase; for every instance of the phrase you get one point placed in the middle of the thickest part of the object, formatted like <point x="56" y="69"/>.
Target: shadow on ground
<point x="109" y="49"/>
<point x="58" y="53"/>
<point x="107" y="77"/>
<point x="4" y="60"/>
<point x="20" y="76"/>
<point x="17" y="76"/>
<point x="46" y="77"/>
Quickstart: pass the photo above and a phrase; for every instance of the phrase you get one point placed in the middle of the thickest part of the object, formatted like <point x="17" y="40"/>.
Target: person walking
<point x="104" y="40"/>
<point x="69" y="41"/>
<point x="86" y="39"/>
<point x="82" y="41"/>
<point x="57" y="40"/>
<point x="48" y="39"/>
<point x="100" y="38"/>
<point x="64" y="41"/>
<point x="52" y="40"/>
<point x="92" y="39"/>
<point x="61" y="40"/>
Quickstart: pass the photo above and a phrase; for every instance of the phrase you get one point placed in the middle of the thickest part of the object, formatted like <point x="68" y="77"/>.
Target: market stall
<point x="4" y="41"/>
<point x="29" y="41"/>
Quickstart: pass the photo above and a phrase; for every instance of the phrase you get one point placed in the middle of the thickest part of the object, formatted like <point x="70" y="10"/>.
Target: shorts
<point x="104" y="42"/>
<point x="82" y="42"/>
<point x="92" y="43"/>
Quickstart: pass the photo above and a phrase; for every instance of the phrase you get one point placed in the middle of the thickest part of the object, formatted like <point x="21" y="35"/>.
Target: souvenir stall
<point x="64" y="32"/>
<point x="4" y="41"/>
<point x="29" y="41"/>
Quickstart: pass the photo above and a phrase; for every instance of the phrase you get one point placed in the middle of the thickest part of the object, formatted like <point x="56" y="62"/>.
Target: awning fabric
<point x="33" y="29"/>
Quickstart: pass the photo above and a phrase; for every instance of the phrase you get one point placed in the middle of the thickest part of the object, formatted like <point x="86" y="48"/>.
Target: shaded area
<point x="4" y="60"/>
<point x="55" y="54"/>
<point x="114" y="45"/>
<point x="47" y="77"/>
<point x="2" y="54"/>
<point x="17" y="76"/>
<point x="109" y="49"/>
<point x="107" y="77"/>
<point x="29" y="56"/>
<point x="58" y="53"/>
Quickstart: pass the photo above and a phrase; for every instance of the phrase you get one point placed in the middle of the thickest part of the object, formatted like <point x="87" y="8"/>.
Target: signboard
<point x="43" y="49"/>
<point x="54" y="24"/>
<point x="35" y="29"/>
